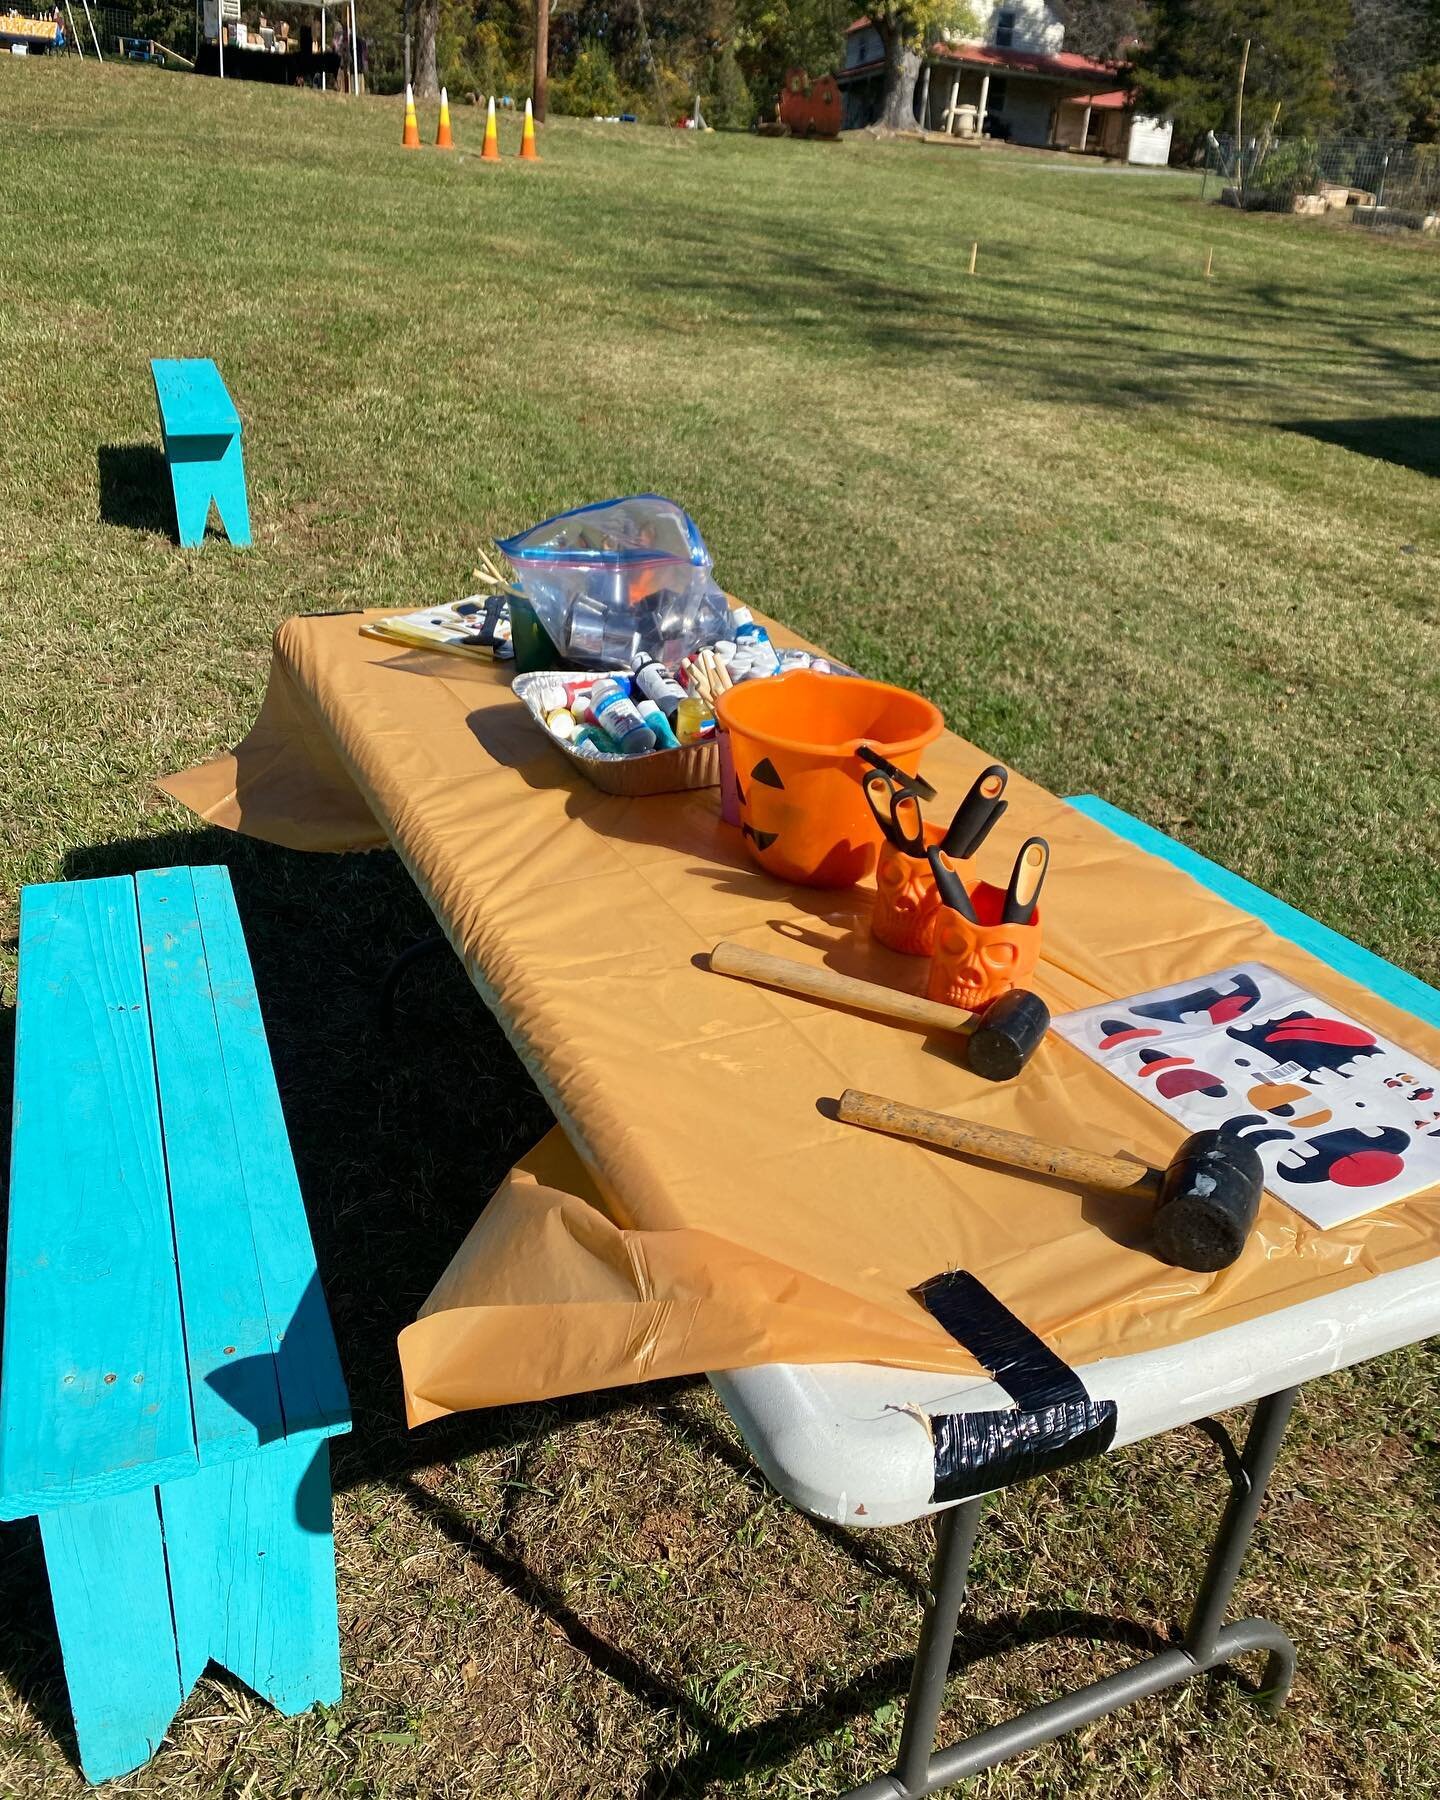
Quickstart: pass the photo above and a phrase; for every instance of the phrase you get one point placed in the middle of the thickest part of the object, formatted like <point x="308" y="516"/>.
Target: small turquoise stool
<point x="201" y="429"/>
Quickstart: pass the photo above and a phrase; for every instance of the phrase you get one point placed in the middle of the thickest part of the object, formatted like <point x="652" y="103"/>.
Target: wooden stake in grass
<point x="1209" y="260"/>
<point x="974" y="252"/>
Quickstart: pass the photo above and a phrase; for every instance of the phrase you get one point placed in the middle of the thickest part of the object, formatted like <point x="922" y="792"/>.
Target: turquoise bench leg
<point x="203" y="469"/>
<point x="106" y="1562"/>
<point x="231" y="500"/>
<point x="252" y="1573"/>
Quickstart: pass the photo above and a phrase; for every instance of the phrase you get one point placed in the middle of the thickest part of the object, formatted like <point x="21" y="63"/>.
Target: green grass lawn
<point x="1170" y="540"/>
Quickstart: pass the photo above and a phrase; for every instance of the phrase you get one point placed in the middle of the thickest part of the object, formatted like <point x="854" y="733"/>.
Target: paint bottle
<point x="756" y="639"/>
<point x="657" y="684"/>
<point x="693" y="720"/>
<point x="612" y="710"/>
<point x="665" y="738"/>
<point x="590" y="740"/>
<point x="739" y="616"/>
<point x="549" y="696"/>
<point x="560" y="721"/>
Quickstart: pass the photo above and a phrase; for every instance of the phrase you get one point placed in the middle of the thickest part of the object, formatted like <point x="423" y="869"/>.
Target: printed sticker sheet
<point x="1344" y="1121"/>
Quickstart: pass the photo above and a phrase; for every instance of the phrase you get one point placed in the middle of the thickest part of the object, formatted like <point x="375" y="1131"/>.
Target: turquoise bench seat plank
<point x="202" y="434"/>
<point x="262" y="1357"/>
<point x="95" y="1397"/>
<point x="313" y="1397"/>
<point x="1339" y="953"/>
<point x="194" y="401"/>
<point x="154" y="1208"/>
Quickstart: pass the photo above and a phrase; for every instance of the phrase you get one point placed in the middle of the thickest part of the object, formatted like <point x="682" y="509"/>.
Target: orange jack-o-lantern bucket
<point x="793" y="739"/>
<point x="906" y="900"/>
<point x="973" y="964"/>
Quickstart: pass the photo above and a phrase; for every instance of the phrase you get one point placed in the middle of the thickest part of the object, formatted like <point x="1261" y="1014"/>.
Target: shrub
<point x="591" y="87"/>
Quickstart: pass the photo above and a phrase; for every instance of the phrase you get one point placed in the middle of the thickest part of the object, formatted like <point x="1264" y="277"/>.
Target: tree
<point x="1419" y="95"/>
<point x="427" y="79"/>
<point x="731" y="109"/>
<point x="907" y="29"/>
<point x="1107" y="29"/>
<point x="1189" y="71"/>
<point x="774" y="36"/>
<point x="1383" y="52"/>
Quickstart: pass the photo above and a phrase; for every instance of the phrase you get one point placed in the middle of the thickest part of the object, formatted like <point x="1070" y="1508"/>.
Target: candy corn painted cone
<point x="528" y="152"/>
<point x="410" y="137"/>
<point x="443" y="139"/>
<point x="491" y="151"/>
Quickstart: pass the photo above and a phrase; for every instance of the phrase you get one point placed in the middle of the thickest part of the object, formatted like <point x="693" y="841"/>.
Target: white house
<point x="1016" y="81"/>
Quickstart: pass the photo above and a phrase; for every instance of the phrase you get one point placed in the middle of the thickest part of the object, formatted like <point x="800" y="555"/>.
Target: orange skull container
<point x="973" y="964"/>
<point x="906" y="903"/>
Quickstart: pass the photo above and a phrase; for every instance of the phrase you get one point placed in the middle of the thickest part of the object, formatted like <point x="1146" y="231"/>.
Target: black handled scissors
<point x="894" y="798"/>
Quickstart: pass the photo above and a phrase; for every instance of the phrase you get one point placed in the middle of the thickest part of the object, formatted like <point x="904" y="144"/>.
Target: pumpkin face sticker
<point x="973" y="964"/>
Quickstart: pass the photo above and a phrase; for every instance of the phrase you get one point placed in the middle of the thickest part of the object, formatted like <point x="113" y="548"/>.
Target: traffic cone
<point x="491" y="151"/>
<point x="443" y="139"/>
<point x="410" y="137"/>
<point x="528" y="152"/>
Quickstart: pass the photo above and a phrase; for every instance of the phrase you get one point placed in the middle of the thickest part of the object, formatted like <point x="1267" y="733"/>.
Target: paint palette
<point x="1344" y="1121"/>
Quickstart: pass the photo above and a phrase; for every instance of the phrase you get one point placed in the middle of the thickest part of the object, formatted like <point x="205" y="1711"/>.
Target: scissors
<point x="977" y="814"/>
<point x="894" y="799"/>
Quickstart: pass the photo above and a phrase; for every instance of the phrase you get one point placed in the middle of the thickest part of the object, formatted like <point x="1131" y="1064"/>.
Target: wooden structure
<point x="201" y="429"/>
<point x="811" y="108"/>
<point x="170" y="1379"/>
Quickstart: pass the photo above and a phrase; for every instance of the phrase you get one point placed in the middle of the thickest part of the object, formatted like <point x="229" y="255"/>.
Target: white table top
<point x="839" y="1440"/>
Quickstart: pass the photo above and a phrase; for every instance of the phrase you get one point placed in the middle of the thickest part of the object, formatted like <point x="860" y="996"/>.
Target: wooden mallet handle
<point x="1085" y="1168"/>
<point x="817" y="983"/>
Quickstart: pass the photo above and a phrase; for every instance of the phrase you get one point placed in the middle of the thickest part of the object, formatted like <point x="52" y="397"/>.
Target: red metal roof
<point x="1065" y="65"/>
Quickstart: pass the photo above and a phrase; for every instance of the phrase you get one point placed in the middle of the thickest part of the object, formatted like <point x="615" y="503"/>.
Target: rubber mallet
<point x="1205" y="1202"/>
<point x="1001" y="1040"/>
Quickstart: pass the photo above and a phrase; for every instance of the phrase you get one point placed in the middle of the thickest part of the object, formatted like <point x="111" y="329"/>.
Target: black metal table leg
<point x="954" y="1546"/>
<point x="1209" y="1642"/>
<point x="390" y="980"/>
<point x="1262" y="1446"/>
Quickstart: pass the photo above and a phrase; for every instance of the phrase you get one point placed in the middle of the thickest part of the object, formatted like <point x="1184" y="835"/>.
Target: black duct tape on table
<point x="1055" y="1422"/>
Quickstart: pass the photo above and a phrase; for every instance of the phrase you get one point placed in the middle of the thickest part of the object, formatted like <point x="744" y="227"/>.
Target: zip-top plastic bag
<point x="620" y="576"/>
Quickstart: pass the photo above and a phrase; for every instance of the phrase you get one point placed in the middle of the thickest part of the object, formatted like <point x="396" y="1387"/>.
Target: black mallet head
<point x="1007" y="1034"/>
<point x="1209" y="1197"/>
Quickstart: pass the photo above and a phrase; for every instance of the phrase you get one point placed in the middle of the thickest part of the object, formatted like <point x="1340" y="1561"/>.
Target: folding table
<point x="841" y="1442"/>
<point x="582" y="921"/>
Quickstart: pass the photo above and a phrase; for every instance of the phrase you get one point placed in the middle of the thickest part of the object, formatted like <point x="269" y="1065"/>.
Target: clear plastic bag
<point x="621" y="576"/>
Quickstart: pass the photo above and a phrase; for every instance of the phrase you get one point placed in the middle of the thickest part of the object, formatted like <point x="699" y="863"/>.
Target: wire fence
<point x="1382" y="184"/>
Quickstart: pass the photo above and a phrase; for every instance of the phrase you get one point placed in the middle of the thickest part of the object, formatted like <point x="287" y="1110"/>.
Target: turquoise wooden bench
<point x="170" y="1378"/>
<point x="201" y="429"/>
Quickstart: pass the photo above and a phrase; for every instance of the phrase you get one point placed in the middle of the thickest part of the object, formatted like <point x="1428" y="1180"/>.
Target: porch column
<point x="949" y="117"/>
<point x="984" y="102"/>
<point x="1085" y="126"/>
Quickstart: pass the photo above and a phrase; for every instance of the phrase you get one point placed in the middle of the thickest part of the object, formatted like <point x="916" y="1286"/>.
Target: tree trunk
<point x="897" y="107"/>
<point x="427" y="80"/>
<point x="541" y="82"/>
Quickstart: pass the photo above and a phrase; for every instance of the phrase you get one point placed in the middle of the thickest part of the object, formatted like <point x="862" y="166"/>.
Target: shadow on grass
<point x="135" y="488"/>
<point x="1412" y="443"/>
<point x="1111" y="332"/>
<point x="398" y="1140"/>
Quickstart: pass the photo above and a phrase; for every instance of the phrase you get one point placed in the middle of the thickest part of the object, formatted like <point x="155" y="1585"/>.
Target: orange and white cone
<point x="443" y="139"/>
<point x="491" y="150"/>
<point x="410" y="137"/>
<point x="528" y="152"/>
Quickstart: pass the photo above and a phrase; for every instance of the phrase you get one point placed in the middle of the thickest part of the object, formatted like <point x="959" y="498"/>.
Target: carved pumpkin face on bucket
<point x="906" y="903"/>
<point x="973" y="964"/>
<point x="803" y="812"/>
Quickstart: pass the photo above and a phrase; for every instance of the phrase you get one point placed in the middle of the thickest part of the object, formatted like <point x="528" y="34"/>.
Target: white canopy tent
<point x="221" y="12"/>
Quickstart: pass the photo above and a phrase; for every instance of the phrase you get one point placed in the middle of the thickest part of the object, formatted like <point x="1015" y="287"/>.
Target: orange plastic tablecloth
<point x="731" y="1222"/>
